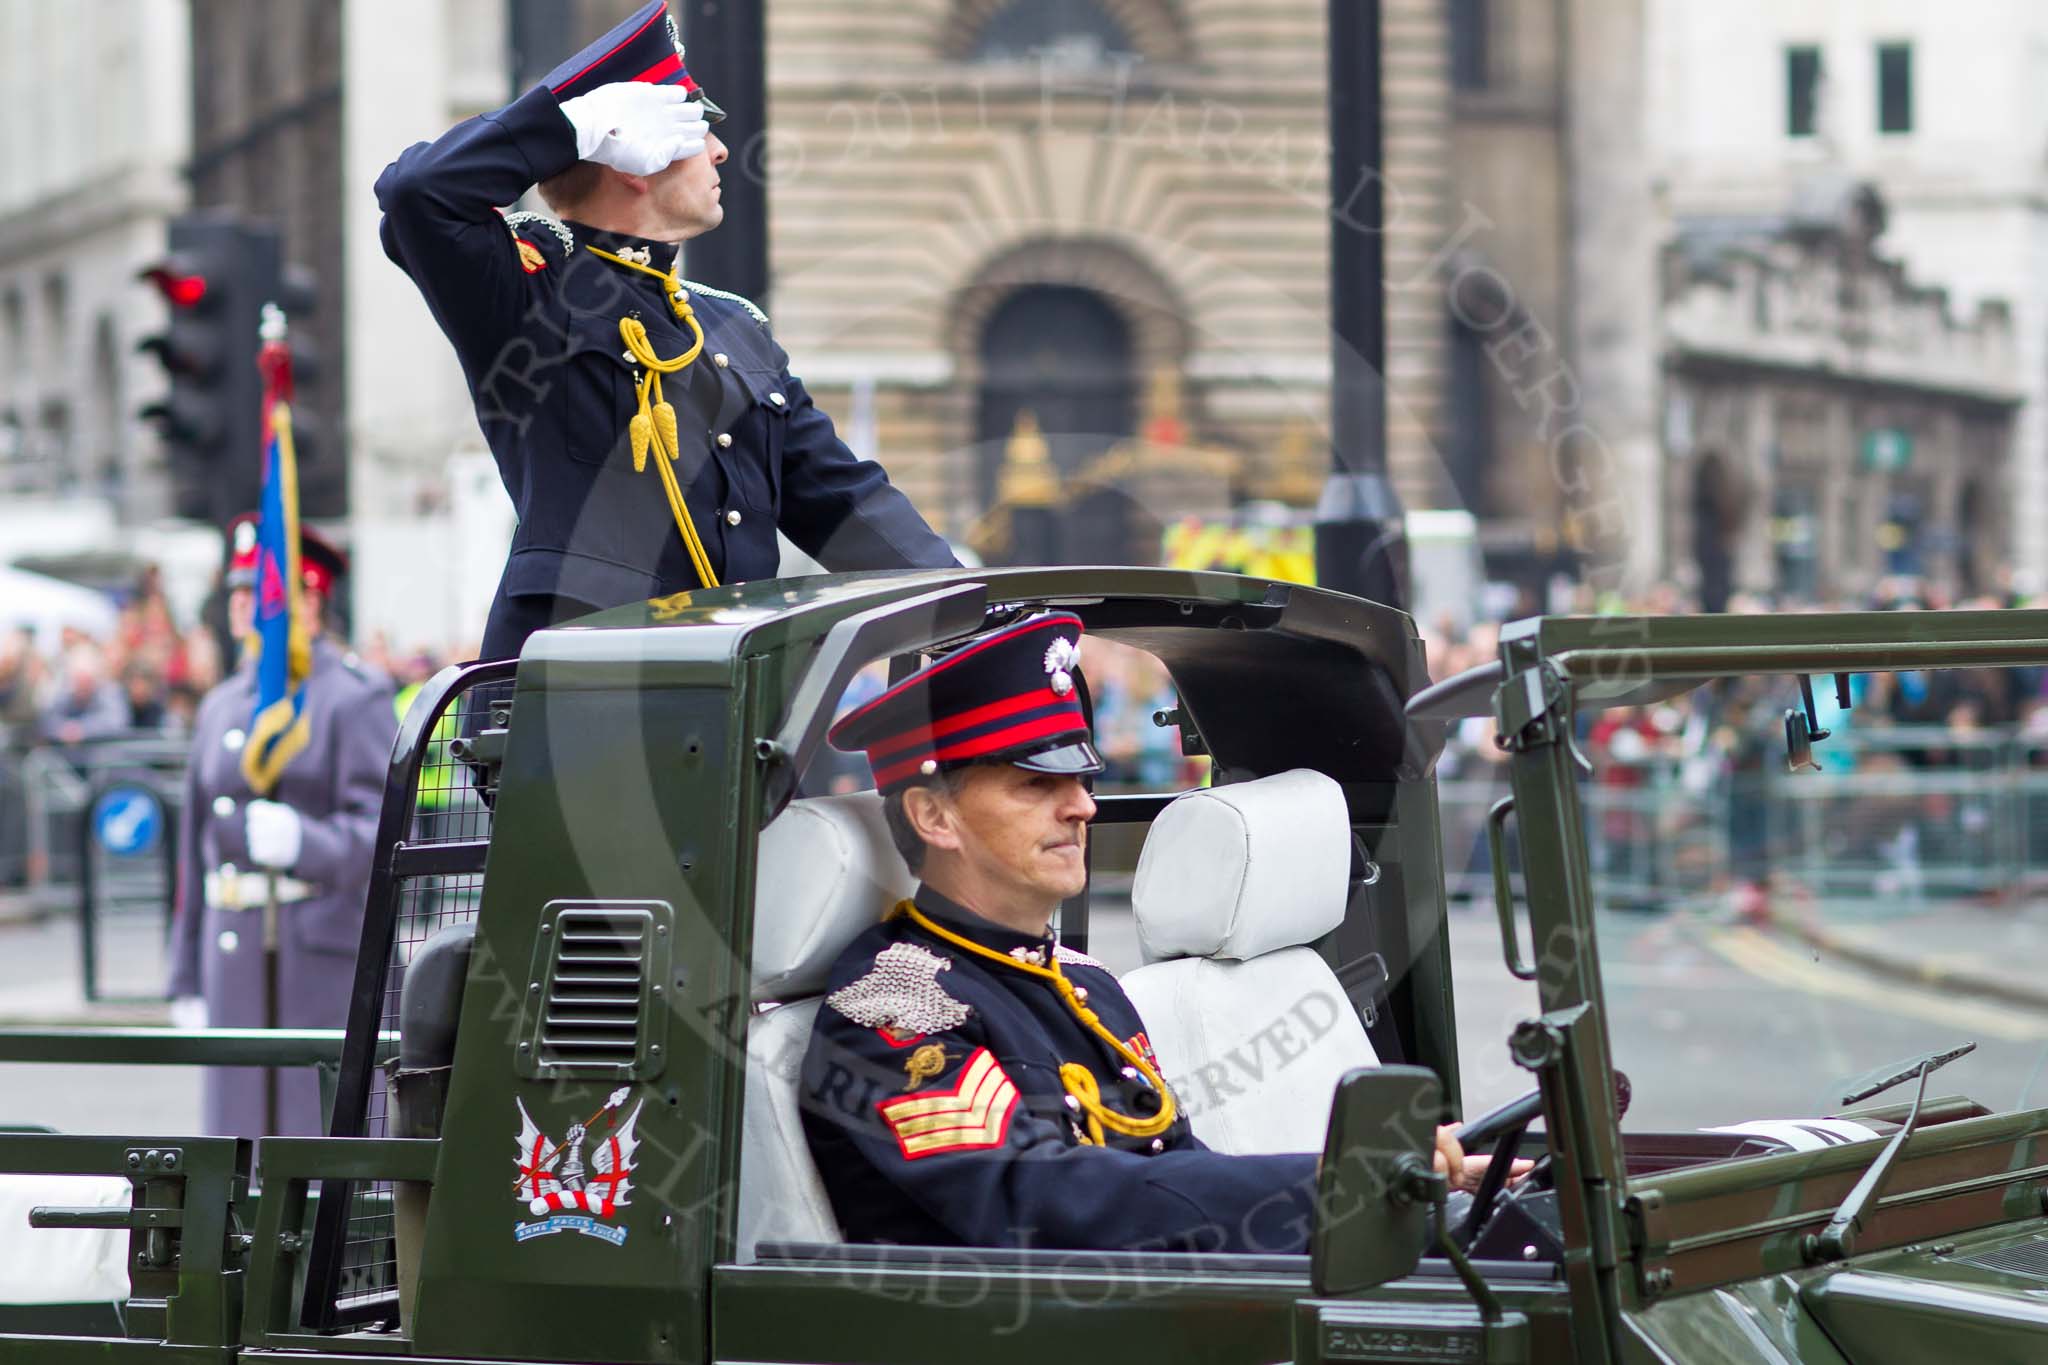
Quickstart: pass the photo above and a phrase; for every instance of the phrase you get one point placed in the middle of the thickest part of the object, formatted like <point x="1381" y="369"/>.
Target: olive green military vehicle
<point x="565" y="1111"/>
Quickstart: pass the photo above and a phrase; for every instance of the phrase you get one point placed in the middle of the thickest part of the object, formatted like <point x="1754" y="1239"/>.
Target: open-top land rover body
<point x="618" y="960"/>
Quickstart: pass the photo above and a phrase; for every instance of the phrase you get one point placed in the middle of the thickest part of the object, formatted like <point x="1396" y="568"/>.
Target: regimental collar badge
<point x="581" y="1183"/>
<point x="1061" y="656"/>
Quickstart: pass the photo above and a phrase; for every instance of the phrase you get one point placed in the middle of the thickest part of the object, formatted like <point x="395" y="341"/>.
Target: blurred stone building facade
<point x="91" y="179"/>
<point x="1938" y="108"/>
<point x="1829" y="420"/>
<point x="1077" y="208"/>
<point x="993" y="214"/>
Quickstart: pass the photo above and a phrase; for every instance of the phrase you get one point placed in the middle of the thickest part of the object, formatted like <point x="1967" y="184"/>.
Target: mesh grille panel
<point x="444" y="808"/>
<point x="2028" y="1260"/>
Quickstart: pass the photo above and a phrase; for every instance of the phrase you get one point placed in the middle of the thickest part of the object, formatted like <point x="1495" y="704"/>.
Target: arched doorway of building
<point x="1063" y="354"/>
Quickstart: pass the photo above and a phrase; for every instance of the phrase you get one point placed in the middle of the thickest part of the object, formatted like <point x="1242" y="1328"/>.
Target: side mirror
<point x="1799" y="744"/>
<point x="1377" y="1184"/>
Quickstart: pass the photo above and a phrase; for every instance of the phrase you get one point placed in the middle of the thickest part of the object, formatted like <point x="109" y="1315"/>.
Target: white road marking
<point x="1775" y="962"/>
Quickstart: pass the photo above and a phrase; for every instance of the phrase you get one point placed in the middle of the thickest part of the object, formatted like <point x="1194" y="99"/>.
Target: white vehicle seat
<point x="826" y="872"/>
<point x="1252" y="1028"/>
<point x="42" y="1266"/>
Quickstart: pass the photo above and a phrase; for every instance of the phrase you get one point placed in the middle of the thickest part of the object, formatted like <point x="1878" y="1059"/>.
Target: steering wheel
<point x="1502" y="1126"/>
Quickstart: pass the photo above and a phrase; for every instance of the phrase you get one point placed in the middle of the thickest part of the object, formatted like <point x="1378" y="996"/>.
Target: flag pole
<point x="274" y="359"/>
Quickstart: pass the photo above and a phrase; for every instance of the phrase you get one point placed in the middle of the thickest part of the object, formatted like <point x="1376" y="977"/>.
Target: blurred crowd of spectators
<point x="148" y="675"/>
<point x="1711" y="753"/>
<point x="1731" y="718"/>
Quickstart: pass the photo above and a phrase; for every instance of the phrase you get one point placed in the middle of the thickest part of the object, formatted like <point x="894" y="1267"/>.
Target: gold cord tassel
<point x="641" y="431"/>
<point x="654" y="425"/>
<point x="665" y="423"/>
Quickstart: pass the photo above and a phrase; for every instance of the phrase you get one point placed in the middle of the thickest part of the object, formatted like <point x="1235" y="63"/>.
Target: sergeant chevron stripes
<point x="971" y="1117"/>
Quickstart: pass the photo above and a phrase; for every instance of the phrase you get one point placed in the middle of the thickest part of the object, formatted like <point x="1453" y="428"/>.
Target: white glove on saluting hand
<point x="635" y="126"/>
<point x="275" y="834"/>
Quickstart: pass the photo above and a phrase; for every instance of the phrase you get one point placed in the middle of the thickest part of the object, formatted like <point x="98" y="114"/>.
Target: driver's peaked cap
<point x="1008" y="696"/>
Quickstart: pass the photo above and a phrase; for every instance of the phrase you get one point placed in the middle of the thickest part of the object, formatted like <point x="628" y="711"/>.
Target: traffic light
<point x="215" y="279"/>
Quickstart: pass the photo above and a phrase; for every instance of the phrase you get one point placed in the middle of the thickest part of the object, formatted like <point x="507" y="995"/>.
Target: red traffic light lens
<point x="180" y="291"/>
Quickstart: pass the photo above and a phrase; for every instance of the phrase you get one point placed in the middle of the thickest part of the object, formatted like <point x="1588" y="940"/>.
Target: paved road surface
<point x="41" y="984"/>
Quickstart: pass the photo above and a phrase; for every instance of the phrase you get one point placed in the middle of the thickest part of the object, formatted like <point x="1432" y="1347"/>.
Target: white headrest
<point x="1244" y="869"/>
<point x="826" y="872"/>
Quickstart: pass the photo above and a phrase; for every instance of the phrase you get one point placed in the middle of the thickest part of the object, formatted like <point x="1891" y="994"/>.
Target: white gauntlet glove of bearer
<point x="635" y="126"/>
<point x="275" y="834"/>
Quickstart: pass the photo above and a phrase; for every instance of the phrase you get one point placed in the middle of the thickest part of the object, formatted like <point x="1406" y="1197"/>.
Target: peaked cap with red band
<point x="644" y="48"/>
<point x="320" y="563"/>
<point x="1008" y="697"/>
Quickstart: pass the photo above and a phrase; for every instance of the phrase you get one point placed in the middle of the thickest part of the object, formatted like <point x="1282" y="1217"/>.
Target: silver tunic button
<point x="1081" y="995"/>
<point x="732" y="518"/>
<point x="229" y="940"/>
<point x="1158" y="1144"/>
<point x="223" y="806"/>
<point x="1073" y="1104"/>
<point x="777" y="399"/>
<point x="721" y="360"/>
<point x="1130" y="1073"/>
<point x="725" y="440"/>
<point x="233" y="741"/>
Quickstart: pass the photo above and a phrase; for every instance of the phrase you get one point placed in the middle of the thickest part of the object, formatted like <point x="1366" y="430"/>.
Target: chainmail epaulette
<point x="516" y="221"/>
<point x="901" y="990"/>
<point x="1075" y="956"/>
<point x="729" y="297"/>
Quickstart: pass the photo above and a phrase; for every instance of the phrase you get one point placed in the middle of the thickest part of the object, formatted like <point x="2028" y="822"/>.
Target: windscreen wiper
<point x="1837" y="1240"/>
<point x="1876" y="1082"/>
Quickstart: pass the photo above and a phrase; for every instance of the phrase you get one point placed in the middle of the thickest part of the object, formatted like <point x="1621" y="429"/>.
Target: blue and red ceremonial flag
<point x="284" y="651"/>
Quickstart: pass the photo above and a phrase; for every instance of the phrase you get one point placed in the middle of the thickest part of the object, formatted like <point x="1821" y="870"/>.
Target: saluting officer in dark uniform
<point x="970" y="1080"/>
<point x="314" y="832"/>
<point x="647" y="427"/>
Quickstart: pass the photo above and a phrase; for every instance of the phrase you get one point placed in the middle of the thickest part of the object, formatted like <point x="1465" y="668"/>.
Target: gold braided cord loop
<point x="654" y="425"/>
<point x="1079" y="1081"/>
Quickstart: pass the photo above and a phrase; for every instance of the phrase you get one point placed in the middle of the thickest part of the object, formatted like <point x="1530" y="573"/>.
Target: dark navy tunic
<point x="534" y="319"/>
<point x="337" y="787"/>
<point x="984" y="1150"/>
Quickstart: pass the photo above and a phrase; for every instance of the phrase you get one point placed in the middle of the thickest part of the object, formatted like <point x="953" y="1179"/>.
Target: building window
<point x="1065" y="32"/>
<point x="1468" y="44"/>
<point x="1471" y="436"/>
<point x="1802" y="91"/>
<point x="1894" y="87"/>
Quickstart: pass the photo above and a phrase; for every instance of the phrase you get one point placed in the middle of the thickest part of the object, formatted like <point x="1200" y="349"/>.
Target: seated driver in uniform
<point x="971" y="1080"/>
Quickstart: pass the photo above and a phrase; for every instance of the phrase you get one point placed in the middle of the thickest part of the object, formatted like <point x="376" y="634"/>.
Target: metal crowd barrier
<point x="109" y="800"/>
<point x="1899" y="816"/>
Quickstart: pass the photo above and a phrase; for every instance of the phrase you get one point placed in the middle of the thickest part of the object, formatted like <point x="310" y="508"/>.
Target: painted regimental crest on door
<point x="580" y="1183"/>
